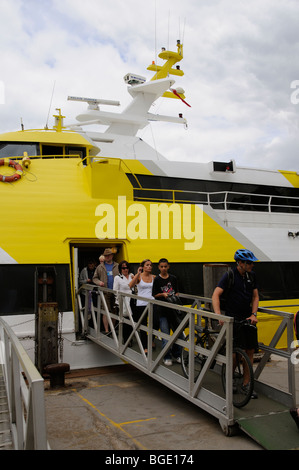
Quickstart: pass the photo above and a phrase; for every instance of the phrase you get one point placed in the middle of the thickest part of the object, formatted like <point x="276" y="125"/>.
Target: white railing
<point x="25" y="393"/>
<point x="223" y="200"/>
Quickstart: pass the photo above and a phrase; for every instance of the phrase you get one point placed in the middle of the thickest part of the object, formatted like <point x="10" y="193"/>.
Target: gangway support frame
<point x="204" y="391"/>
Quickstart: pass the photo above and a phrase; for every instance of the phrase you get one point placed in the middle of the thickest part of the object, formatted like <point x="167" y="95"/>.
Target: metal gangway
<point x="206" y="390"/>
<point x="22" y="410"/>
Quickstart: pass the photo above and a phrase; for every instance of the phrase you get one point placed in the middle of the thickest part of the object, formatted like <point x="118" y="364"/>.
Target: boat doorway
<point x="82" y="252"/>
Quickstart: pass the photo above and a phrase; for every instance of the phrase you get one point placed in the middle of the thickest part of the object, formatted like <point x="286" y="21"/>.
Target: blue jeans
<point x="175" y="351"/>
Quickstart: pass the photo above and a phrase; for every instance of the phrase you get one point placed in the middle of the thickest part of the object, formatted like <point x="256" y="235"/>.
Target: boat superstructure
<point x="81" y="190"/>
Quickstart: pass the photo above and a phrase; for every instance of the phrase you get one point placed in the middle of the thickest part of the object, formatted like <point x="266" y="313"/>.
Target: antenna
<point x="46" y="127"/>
<point x="155" y="31"/>
<point x="168" y="30"/>
<point x="93" y="103"/>
<point x="183" y="36"/>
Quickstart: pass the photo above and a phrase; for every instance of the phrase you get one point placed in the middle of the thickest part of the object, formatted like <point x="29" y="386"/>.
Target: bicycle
<point x="205" y="337"/>
<point x="242" y="371"/>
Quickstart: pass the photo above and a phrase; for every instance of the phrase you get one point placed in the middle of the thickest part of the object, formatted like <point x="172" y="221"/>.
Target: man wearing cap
<point x="103" y="277"/>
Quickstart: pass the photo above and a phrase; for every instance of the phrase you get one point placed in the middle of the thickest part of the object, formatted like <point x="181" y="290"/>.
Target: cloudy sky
<point x="240" y="59"/>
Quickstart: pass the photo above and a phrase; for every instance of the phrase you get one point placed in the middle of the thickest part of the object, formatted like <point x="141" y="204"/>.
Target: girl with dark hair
<point x="144" y="280"/>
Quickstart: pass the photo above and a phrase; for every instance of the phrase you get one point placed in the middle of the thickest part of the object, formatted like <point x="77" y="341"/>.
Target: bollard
<point x="56" y="373"/>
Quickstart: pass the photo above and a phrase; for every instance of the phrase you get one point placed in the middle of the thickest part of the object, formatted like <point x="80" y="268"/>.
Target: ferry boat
<point x="69" y="192"/>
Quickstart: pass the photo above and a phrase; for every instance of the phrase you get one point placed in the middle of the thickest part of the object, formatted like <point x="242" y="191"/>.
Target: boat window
<point x="52" y="150"/>
<point x="81" y="151"/>
<point x="19" y="297"/>
<point x="228" y="167"/>
<point x="276" y="280"/>
<point x="17" y="149"/>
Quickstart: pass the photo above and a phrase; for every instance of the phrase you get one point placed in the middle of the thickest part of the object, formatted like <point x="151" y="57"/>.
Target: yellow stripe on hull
<point x="292" y="177"/>
<point x="57" y="200"/>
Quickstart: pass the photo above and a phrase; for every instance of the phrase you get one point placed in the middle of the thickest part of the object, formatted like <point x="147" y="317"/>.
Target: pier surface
<point x="120" y="408"/>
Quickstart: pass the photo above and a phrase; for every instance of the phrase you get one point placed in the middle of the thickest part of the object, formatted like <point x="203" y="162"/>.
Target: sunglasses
<point x="124" y="267"/>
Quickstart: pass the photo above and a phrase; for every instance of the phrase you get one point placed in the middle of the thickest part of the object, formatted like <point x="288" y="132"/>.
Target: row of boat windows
<point x="219" y="195"/>
<point x="17" y="149"/>
<point x="275" y="280"/>
<point x="208" y="186"/>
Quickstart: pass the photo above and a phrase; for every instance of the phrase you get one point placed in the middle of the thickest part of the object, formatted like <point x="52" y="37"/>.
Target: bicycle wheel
<point x="199" y="359"/>
<point x="241" y="368"/>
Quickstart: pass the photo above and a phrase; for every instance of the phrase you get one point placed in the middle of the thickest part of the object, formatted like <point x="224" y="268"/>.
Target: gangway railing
<point x="25" y="393"/>
<point x="197" y="389"/>
<point x="286" y="325"/>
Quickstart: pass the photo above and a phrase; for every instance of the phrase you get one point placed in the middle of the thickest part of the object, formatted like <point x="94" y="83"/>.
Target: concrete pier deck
<point x="120" y="408"/>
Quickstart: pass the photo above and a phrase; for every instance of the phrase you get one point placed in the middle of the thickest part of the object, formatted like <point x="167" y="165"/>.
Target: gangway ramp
<point x="273" y="430"/>
<point x="259" y="418"/>
<point x="268" y="421"/>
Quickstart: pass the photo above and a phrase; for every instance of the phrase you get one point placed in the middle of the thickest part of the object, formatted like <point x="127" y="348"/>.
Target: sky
<point x="241" y="65"/>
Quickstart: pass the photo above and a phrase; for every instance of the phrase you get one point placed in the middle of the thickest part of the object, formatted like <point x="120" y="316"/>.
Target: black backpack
<point x="230" y="283"/>
<point x="296" y="324"/>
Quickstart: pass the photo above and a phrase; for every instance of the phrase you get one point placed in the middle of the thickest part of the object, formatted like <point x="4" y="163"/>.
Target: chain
<point x="60" y="337"/>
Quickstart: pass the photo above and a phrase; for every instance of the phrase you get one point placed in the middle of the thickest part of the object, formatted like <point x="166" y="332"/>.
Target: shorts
<point x="245" y="336"/>
<point x="110" y="300"/>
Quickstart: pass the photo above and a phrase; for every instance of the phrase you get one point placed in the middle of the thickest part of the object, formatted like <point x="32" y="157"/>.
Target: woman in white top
<point x="121" y="283"/>
<point x="144" y="280"/>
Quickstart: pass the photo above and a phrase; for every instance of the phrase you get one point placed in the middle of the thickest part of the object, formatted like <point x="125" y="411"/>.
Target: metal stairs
<point x="5" y="430"/>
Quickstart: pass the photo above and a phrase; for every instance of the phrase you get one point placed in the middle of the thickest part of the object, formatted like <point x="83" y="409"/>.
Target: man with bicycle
<point x="240" y="290"/>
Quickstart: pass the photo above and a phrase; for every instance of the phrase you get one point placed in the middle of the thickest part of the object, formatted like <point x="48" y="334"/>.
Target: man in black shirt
<point x="165" y="285"/>
<point x="242" y="301"/>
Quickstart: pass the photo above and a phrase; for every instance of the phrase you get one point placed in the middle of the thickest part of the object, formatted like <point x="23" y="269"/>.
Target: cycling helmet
<point x="244" y="255"/>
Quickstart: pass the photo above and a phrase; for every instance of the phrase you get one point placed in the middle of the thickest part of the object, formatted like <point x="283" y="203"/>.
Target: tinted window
<point x="17" y="149"/>
<point x="18" y="292"/>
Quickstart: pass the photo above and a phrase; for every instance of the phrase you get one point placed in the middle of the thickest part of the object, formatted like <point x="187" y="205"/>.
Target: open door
<point x="81" y="252"/>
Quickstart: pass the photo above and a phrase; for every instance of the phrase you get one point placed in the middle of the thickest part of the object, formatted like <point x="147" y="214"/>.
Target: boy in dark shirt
<point x="165" y="285"/>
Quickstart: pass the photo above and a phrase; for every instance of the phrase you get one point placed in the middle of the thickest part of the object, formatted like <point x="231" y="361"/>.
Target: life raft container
<point x="13" y="164"/>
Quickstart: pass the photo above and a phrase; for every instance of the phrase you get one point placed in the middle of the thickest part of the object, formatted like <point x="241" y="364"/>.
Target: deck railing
<point x="222" y="200"/>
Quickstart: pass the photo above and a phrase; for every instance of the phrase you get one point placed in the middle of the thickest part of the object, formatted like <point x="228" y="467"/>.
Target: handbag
<point x="174" y="299"/>
<point x="133" y="301"/>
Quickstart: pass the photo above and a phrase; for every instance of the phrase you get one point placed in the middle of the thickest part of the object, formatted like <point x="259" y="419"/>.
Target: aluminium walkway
<point x="266" y="420"/>
<point x="22" y="406"/>
<point x="5" y="430"/>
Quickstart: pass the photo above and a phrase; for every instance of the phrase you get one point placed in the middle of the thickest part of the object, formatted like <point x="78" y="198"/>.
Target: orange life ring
<point x="12" y="163"/>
